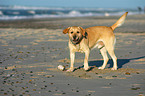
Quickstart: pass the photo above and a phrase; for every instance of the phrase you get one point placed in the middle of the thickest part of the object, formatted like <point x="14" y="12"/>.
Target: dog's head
<point x="75" y="34"/>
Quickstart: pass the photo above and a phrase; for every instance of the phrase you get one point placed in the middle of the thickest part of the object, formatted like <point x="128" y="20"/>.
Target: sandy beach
<point x="31" y="50"/>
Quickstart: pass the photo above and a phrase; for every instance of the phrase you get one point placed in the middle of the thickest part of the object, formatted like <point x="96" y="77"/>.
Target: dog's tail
<point x="120" y="21"/>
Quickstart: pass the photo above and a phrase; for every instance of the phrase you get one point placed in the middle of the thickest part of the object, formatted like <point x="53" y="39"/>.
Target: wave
<point x="24" y="12"/>
<point x="1" y="13"/>
<point x="31" y="12"/>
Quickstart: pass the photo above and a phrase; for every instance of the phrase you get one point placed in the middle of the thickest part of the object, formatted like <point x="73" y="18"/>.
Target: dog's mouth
<point x="75" y="40"/>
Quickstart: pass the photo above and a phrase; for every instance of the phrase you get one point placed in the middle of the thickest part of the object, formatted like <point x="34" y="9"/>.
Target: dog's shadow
<point x="120" y="63"/>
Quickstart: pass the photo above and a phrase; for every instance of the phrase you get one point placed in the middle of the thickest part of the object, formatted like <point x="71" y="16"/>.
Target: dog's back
<point x="98" y="33"/>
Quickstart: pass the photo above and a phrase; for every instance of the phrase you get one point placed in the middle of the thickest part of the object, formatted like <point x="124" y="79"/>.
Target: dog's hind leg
<point x="110" y="48"/>
<point x="105" y="57"/>
<point x="112" y="54"/>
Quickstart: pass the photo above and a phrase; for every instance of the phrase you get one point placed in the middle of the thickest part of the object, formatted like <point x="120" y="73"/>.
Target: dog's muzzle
<point x="75" y="38"/>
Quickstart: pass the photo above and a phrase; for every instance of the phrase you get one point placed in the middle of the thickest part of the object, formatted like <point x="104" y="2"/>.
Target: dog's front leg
<point x="86" y="66"/>
<point x="72" y="58"/>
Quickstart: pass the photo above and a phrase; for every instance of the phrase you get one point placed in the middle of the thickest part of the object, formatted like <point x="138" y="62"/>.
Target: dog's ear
<point x="66" y="30"/>
<point x="83" y="31"/>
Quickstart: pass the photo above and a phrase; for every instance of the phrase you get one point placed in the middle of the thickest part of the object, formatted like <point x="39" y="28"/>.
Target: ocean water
<point x="23" y="12"/>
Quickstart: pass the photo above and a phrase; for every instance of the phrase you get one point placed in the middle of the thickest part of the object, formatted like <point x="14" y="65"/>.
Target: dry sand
<point x="31" y="51"/>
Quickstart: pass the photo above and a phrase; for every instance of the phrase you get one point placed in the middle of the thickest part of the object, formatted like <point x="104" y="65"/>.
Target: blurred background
<point x="28" y="9"/>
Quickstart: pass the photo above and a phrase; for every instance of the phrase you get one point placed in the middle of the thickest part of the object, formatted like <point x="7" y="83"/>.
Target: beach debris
<point x="77" y="90"/>
<point x="127" y="73"/>
<point x="14" y="69"/>
<point x="48" y="76"/>
<point x="100" y="77"/>
<point x="34" y="89"/>
<point x="137" y="72"/>
<point x="135" y="88"/>
<point x="140" y="94"/>
<point x="96" y="73"/>
<point x="5" y="94"/>
<point x="6" y="67"/>
<point x="61" y="67"/>
<point x="68" y="84"/>
<point x="51" y="83"/>
<point x="85" y="76"/>
<point x="114" y="76"/>
<point x="110" y="84"/>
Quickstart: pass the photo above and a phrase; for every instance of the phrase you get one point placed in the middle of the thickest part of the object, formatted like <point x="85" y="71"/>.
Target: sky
<point x="77" y="3"/>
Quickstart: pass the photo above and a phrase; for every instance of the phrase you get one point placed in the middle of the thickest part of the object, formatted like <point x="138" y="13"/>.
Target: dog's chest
<point x="78" y="48"/>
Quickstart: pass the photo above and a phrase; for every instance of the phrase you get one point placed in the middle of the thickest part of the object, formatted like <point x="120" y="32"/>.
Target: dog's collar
<point x="85" y="35"/>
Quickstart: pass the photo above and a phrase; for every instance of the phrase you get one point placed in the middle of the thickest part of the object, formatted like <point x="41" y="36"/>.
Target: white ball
<point x="61" y="67"/>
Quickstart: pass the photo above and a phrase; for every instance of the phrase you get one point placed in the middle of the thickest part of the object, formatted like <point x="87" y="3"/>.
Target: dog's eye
<point x="71" y="32"/>
<point x="78" y="32"/>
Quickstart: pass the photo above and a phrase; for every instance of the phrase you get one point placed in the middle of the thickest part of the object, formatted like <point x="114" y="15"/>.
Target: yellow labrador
<point x="83" y="40"/>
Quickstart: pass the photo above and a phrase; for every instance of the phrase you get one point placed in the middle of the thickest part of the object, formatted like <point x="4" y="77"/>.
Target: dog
<point x="83" y="40"/>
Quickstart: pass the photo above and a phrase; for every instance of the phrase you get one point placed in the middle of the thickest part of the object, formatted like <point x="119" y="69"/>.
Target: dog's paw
<point x="101" y="68"/>
<point x="113" y="68"/>
<point x="86" y="68"/>
<point x="70" y="70"/>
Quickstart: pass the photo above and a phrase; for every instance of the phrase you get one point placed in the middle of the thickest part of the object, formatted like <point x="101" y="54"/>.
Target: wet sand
<point x="31" y="51"/>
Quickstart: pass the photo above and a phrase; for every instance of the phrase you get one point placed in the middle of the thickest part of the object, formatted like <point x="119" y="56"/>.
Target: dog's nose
<point x="74" y="37"/>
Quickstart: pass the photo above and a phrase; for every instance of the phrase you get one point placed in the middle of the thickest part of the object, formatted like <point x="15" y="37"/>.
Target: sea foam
<point x="24" y="12"/>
